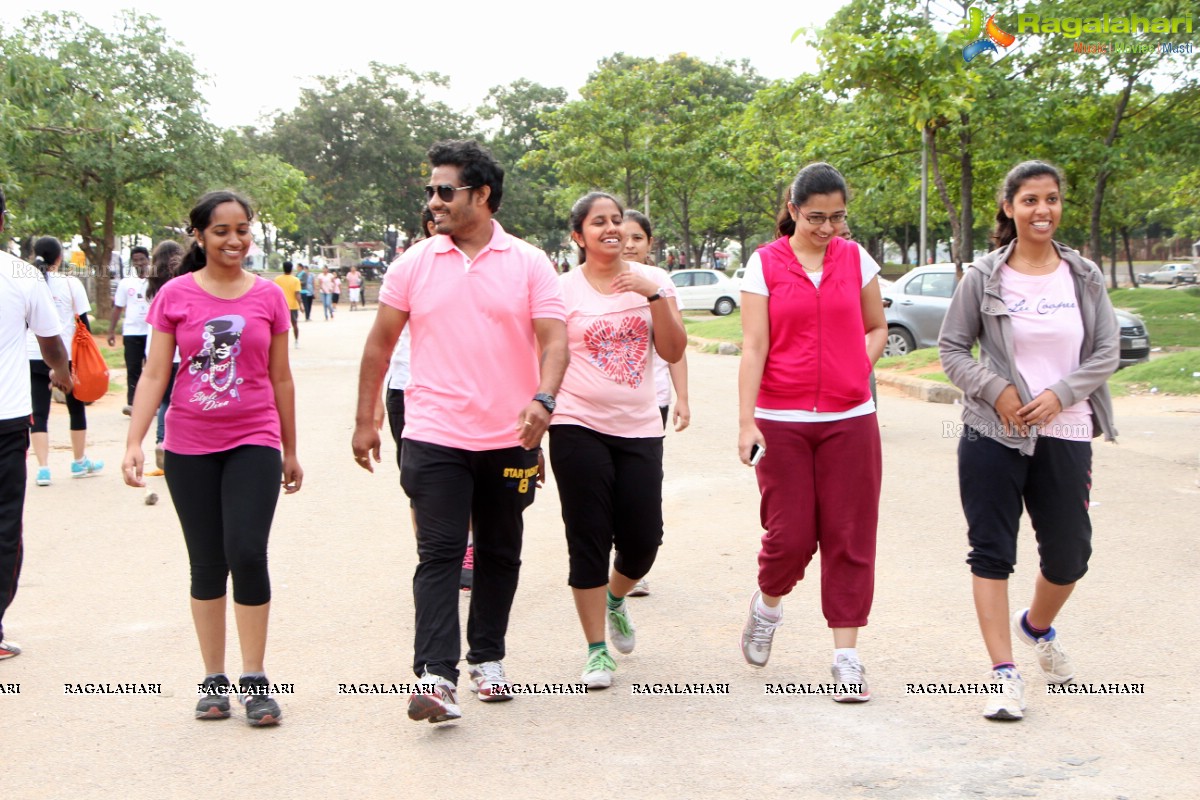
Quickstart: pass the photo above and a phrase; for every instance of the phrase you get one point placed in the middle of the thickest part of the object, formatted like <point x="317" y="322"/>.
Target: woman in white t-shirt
<point x="1048" y="341"/>
<point x="70" y="300"/>
<point x="606" y="432"/>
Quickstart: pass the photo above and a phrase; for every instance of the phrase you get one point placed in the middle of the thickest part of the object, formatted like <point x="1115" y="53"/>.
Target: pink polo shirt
<point x="474" y="354"/>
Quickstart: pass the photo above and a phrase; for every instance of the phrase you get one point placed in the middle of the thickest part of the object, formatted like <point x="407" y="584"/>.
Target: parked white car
<point x="699" y="289"/>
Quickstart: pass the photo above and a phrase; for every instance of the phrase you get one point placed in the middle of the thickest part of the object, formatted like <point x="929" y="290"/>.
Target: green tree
<point x="361" y="142"/>
<point x="110" y="123"/>
<point x="520" y="112"/>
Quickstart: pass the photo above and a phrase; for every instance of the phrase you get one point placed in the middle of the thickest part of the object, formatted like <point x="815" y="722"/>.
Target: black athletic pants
<point x="450" y="489"/>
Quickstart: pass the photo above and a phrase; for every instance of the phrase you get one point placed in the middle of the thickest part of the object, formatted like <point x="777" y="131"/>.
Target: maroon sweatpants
<point x="820" y="488"/>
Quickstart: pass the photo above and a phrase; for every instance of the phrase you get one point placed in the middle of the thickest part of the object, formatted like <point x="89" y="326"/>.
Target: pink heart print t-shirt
<point x="609" y="385"/>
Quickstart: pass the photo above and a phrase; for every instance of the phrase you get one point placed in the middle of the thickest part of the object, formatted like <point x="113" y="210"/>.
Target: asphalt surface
<point x="103" y="600"/>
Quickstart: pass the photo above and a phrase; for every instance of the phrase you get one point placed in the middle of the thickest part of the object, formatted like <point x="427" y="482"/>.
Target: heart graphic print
<point x="619" y="352"/>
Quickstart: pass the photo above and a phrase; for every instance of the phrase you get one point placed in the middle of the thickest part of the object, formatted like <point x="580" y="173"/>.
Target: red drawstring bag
<point x="88" y="370"/>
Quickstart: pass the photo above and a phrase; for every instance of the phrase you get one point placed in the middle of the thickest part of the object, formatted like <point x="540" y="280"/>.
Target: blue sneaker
<point x="84" y="467"/>
<point x="43" y="476"/>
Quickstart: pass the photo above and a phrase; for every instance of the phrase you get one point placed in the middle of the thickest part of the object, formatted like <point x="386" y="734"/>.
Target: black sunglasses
<point x="444" y="191"/>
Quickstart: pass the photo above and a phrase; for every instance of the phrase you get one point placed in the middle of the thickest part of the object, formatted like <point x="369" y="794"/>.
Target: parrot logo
<point x="992" y="35"/>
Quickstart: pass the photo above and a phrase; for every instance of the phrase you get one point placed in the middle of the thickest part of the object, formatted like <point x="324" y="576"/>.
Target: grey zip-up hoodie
<point x="977" y="313"/>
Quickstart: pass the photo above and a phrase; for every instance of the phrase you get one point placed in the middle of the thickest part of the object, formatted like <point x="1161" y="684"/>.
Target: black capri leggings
<point x="610" y="489"/>
<point x="225" y="502"/>
<point x="39" y="393"/>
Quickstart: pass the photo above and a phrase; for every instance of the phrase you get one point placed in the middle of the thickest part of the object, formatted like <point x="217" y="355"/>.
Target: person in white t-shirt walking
<point x="25" y="305"/>
<point x="70" y="301"/>
<point x="131" y="297"/>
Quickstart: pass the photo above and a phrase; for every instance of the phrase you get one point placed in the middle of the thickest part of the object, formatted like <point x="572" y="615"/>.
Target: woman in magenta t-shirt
<point x="606" y="432"/>
<point x="232" y="411"/>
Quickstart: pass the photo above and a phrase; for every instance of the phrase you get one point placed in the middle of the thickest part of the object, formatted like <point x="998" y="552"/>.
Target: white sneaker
<point x="850" y="677"/>
<point x="757" y="635"/>
<point x="437" y="702"/>
<point x="598" y="672"/>
<point x="1052" y="660"/>
<point x="621" y="629"/>
<point x="488" y="681"/>
<point x="640" y="589"/>
<point x="1010" y="703"/>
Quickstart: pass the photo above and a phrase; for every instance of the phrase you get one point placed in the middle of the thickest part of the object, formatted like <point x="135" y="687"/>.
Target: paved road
<point x="103" y="599"/>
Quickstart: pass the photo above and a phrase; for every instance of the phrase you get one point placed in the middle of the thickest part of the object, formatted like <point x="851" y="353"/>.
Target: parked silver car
<point x="1173" y="274"/>
<point x="917" y="303"/>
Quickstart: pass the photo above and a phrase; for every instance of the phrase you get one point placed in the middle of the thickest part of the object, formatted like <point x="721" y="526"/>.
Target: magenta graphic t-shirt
<point x="609" y="385"/>
<point x="223" y="396"/>
<point x="1047" y="336"/>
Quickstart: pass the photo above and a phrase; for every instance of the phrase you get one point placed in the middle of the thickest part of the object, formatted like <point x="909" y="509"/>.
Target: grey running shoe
<point x="850" y="679"/>
<point x="757" y="635"/>
<point x="1052" y="660"/>
<point x="640" y="589"/>
<point x="261" y="708"/>
<point x="214" y="700"/>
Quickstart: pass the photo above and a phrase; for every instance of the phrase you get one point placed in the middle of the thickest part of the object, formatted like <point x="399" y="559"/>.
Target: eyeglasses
<point x="445" y="192"/>
<point x="817" y="220"/>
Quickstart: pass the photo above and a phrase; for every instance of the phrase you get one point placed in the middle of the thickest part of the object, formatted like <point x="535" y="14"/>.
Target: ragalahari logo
<point x="992" y="35"/>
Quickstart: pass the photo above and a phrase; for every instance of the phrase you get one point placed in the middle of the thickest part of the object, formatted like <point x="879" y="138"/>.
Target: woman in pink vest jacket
<point x="807" y="421"/>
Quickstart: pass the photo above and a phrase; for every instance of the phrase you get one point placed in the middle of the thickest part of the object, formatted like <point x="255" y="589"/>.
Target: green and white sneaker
<point x="599" y="670"/>
<point x="621" y="629"/>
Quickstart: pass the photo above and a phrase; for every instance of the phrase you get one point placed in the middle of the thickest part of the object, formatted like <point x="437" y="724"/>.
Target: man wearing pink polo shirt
<point x="481" y="305"/>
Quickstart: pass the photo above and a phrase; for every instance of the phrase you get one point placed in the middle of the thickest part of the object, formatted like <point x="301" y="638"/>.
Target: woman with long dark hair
<point x="231" y="413"/>
<point x="606" y="433"/>
<point x="813" y="326"/>
<point x="70" y="300"/>
<point x="1032" y="402"/>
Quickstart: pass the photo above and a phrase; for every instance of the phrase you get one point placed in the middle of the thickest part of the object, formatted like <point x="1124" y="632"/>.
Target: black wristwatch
<point x="547" y="401"/>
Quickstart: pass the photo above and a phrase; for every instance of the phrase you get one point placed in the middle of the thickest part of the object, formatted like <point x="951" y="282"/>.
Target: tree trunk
<point x="944" y="193"/>
<point x="1128" y="258"/>
<point x="966" y="250"/>
<point x="1105" y="172"/>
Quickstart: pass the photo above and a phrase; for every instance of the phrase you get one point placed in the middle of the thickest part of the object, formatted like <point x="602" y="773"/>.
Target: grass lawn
<point x="1177" y="373"/>
<point x="1171" y="315"/>
<point x="706" y="326"/>
<point x="113" y="356"/>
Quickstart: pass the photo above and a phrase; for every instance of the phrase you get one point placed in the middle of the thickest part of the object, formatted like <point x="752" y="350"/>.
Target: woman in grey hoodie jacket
<point x="1032" y="402"/>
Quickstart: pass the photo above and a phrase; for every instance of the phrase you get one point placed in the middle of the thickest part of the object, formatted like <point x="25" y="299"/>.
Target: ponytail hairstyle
<point x="47" y="252"/>
<point x="1005" y="229"/>
<point x="816" y="178"/>
<point x="583" y="207"/>
<point x="201" y="217"/>
<point x="160" y="266"/>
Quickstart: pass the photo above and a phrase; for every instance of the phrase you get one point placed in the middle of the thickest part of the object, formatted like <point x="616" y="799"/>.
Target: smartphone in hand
<point x="757" y="451"/>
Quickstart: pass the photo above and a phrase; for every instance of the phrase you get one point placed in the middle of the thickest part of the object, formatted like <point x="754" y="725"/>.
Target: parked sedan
<point x="705" y="289"/>
<point x="915" y="306"/>
<point x="917" y="303"/>
<point x="1170" y="273"/>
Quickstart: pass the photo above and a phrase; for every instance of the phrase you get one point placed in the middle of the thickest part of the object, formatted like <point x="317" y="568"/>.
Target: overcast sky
<point x="259" y="54"/>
